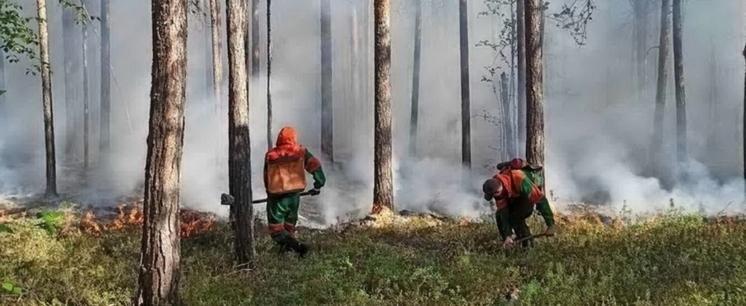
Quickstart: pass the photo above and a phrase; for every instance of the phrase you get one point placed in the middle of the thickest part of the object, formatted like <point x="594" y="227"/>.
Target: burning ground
<point x="79" y="256"/>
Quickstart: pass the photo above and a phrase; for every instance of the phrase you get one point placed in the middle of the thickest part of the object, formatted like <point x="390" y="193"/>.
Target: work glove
<point x="315" y="191"/>
<point x="508" y="243"/>
<point x="317" y="185"/>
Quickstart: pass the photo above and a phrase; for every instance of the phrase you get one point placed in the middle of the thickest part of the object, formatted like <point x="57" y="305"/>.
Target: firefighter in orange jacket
<point x="516" y="193"/>
<point x="284" y="179"/>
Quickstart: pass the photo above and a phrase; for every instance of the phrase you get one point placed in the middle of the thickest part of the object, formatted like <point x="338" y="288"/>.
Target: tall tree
<point x="160" y="249"/>
<point x="534" y="83"/>
<point x="72" y="80"/>
<point x="3" y="90"/>
<point x="511" y="117"/>
<point x="660" y="95"/>
<point x="105" y="120"/>
<point x="465" y="103"/>
<point x="46" y="93"/>
<point x="269" y="74"/>
<point x="255" y="61"/>
<point x="507" y="126"/>
<point x="521" y="71"/>
<point x="216" y="74"/>
<point x="217" y="65"/>
<point x="86" y="95"/>
<point x="355" y="59"/>
<point x="327" y="114"/>
<point x="383" y="187"/>
<point x="743" y="143"/>
<point x="640" y="13"/>
<point x="678" y="56"/>
<point x="239" y="145"/>
<point x="414" y="117"/>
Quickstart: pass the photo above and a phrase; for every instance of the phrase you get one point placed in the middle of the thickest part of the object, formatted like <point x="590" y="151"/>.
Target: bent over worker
<point x="284" y="179"/>
<point x="516" y="195"/>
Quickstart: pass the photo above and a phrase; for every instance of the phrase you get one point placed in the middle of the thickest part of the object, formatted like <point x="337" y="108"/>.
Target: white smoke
<point x="598" y="127"/>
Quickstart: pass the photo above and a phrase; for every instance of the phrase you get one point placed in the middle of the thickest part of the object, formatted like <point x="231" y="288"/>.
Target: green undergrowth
<point x="670" y="260"/>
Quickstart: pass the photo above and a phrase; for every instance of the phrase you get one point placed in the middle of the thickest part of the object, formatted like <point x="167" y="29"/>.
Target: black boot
<point x="296" y="246"/>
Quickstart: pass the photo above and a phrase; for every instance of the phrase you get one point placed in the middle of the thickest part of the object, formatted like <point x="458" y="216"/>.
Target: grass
<point x="673" y="260"/>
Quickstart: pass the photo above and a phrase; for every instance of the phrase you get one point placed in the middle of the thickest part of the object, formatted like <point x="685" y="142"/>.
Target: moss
<point x="674" y="259"/>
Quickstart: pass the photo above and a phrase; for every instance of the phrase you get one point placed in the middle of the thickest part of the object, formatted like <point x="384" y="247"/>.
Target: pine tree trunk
<point x="86" y="97"/>
<point x="521" y="58"/>
<point x="269" y="74"/>
<point x="46" y="90"/>
<point x="534" y="84"/>
<point x="465" y="107"/>
<point x="217" y="66"/>
<point x="508" y="145"/>
<point x="640" y="13"/>
<point x="355" y="62"/>
<point x="105" y="120"/>
<point x="160" y="250"/>
<point x="383" y="188"/>
<point x="678" y="55"/>
<point x="414" y="117"/>
<point x="70" y="38"/>
<point x="3" y="93"/>
<point x="215" y="76"/>
<point x="255" y="60"/>
<point x="660" y="96"/>
<point x="239" y="168"/>
<point x="327" y="115"/>
<point x="512" y="116"/>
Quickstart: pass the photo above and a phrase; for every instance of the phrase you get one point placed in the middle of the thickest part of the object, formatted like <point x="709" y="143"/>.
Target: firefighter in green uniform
<point x="284" y="179"/>
<point x="517" y="190"/>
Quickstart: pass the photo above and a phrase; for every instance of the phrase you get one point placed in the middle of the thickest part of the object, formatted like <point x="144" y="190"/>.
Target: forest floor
<point x="57" y="257"/>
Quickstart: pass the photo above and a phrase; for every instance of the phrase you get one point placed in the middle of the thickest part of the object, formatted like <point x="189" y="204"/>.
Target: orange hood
<point x="287" y="137"/>
<point x="286" y="146"/>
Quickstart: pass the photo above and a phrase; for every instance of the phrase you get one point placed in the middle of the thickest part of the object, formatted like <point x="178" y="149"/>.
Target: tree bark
<point x="534" y="84"/>
<point x="678" y="56"/>
<point x="660" y="96"/>
<point x="414" y="117"/>
<point x="86" y="97"/>
<point x="521" y="58"/>
<point x="255" y="60"/>
<point x="70" y="35"/>
<point x="239" y="145"/>
<point x="47" y="104"/>
<point x="512" y="115"/>
<point x="215" y="76"/>
<point x="217" y="65"/>
<point x="269" y="74"/>
<point x="640" y="24"/>
<point x="465" y="107"/>
<point x="3" y="93"/>
<point x="383" y="188"/>
<point x="160" y="250"/>
<point x="327" y="115"/>
<point x="105" y="120"/>
<point x="355" y="64"/>
<point x="508" y="144"/>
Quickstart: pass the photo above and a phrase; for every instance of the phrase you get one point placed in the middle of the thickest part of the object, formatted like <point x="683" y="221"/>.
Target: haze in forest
<point x="598" y="124"/>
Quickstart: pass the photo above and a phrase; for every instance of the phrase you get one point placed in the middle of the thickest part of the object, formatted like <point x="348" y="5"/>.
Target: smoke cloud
<point x="598" y="123"/>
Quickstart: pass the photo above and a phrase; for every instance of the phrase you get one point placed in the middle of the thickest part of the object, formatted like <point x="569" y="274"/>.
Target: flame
<point x="89" y="224"/>
<point x="194" y="223"/>
<point x="130" y="216"/>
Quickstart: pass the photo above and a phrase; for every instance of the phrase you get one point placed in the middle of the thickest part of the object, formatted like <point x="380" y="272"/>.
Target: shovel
<point x="227" y="199"/>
